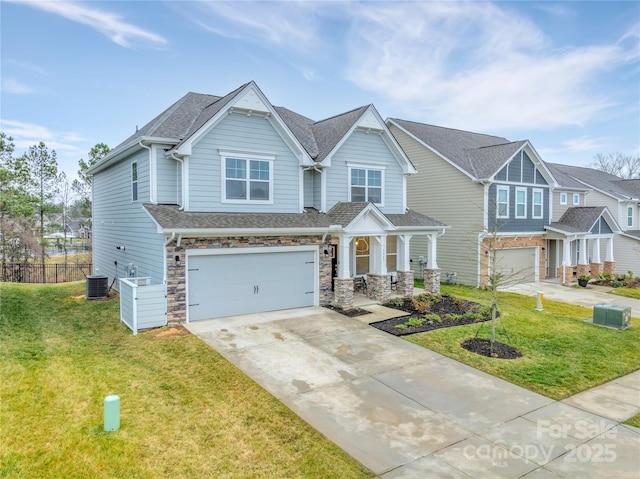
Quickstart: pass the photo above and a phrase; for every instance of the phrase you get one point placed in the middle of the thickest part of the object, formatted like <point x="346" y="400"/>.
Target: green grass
<point x="634" y="421"/>
<point x="185" y="411"/>
<point x="562" y="355"/>
<point x="626" y="292"/>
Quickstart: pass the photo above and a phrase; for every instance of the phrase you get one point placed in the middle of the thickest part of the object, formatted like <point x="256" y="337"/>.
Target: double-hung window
<point x="563" y="198"/>
<point x="247" y="180"/>
<point x="502" y="202"/>
<point x="366" y="185"/>
<point x="134" y="181"/>
<point x="521" y="202"/>
<point x="538" y="199"/>
<point x="629" y="216"/>
<point x="576" y="199"/>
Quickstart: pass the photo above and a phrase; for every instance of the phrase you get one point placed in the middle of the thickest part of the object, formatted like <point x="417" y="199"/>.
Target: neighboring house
<point x="621" y="198"/>
<point x="486" y="188"/>
<point x="238" y="206"/>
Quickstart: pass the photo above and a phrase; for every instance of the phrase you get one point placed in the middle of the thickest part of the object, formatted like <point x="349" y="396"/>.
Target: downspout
<point x="317" y="168"/>
<point x="174" y="157"/>
<point x="150" y="172"/>
<point x="164" y="257"/>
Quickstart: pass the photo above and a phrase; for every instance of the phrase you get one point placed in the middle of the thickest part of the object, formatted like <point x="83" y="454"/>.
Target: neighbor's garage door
<point x="518" y="265"/>
<point x="230" y="284"/>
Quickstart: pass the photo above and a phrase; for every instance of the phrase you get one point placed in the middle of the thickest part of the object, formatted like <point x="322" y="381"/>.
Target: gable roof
<point x="478" y="155"/>
<point x="181" y="123"/>
<point x="581" y="219"/>
<point x="565" y="180"/>
<point x="606" y="183"/>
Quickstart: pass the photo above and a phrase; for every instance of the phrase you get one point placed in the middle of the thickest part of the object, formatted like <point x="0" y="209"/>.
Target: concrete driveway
<point x="406" y="412"/>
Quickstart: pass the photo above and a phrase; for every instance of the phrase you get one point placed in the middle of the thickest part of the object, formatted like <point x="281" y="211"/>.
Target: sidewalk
<point x="587" y="297"/>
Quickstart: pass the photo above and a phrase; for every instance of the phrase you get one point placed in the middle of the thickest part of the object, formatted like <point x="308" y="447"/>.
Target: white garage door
<point x="230" y="284"/>
<point x="518" y="265"/>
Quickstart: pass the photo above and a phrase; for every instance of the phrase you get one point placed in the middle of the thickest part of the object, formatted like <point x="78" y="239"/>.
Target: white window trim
<point x="241" y="155"/>
<point x="576" y="196"/>
<point x="135" y="182"/>
<point x="354" y="166"/>
<point x="523" y="216"/>
<point x="498" y="189"/>
<point x="630" y="217"/>
<point x="533" y="204"/>
<point x="563" y="201"/>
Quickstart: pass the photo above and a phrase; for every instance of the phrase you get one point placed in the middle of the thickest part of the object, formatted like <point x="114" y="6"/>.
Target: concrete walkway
<point x="406" y="412"/>
<point x="588" y="297"/>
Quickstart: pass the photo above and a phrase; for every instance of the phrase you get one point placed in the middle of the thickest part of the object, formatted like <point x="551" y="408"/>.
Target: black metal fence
<point x="39" y="273"/>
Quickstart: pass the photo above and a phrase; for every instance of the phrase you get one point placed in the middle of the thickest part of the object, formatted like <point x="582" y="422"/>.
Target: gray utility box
<point x="612" y="316"/>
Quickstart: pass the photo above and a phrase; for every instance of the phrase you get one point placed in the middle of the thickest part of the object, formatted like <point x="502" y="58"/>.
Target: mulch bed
<point x="483" y="347"/>
<point x="351" y="312"/>
<point x="448" y="304"/>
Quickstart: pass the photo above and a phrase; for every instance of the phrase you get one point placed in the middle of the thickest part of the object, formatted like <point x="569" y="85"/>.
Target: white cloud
<point x="13" y="86"/>
<point x="474" y="65"/>
<point x="29" y="134"/>
<point x="109" y="24"/>
<point x="579" y="145"/>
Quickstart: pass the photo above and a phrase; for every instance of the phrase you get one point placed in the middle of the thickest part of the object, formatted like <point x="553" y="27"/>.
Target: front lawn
<point x="626" y="292"/>
<point x="185" y="411"/>
<point x="562" y="355"/>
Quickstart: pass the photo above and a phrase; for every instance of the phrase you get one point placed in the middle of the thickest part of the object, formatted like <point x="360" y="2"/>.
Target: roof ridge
<point x="451" y="129"/>
<point x="342" y="114"/>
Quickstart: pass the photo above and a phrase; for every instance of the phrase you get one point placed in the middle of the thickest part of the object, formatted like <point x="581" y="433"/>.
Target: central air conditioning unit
<point x="612" y="316"/>
<point x="97" y="286"/>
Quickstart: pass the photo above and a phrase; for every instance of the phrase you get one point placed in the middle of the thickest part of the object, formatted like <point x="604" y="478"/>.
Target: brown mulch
<point x="483" y="347"/>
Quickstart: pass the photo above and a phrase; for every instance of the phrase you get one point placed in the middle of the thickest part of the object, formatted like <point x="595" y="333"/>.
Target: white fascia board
<point x="593" y="188"/>
<point x="433" y="150"/>
<point x="611" y="220"/>
<point x="538" y="161"/>
<point x="622" y="233"/>
<point x="378" y="215"/>
<point x="128" y="150"/>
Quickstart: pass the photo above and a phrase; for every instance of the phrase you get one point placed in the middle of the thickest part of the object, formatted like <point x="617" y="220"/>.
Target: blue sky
<point x="565" y="75"/>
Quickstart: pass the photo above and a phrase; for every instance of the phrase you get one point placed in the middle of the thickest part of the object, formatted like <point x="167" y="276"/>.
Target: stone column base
<point x="568" y="275"/>
<point x="609" y="267"/>
<point x="596" y="268"/>
<point x="404" y="286"/>
<point x="432" y="280"/>
<point x="343" y="292"/>
<point x="582" y="270"/>
<point x="379" y="287"/>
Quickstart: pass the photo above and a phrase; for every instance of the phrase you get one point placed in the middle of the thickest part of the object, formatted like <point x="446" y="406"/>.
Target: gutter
<point x="173" y="156"/>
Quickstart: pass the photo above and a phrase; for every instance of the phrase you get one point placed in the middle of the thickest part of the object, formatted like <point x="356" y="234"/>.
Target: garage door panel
<point x="231" y="284"/>
<point x="517" y="264"/>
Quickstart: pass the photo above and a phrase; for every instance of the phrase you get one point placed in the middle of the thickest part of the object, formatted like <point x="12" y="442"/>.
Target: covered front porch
<point x="373" y="258"/>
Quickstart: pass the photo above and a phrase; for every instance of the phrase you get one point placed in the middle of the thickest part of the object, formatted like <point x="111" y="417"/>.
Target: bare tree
<point x="65" y="198"/>
<point x="624" y="166"/>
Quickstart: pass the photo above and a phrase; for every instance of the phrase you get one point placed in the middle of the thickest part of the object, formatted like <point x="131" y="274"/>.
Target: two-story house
<point x="615" y="246"/>
<point x="495" y="194"/>
<point x="239" y="206"/>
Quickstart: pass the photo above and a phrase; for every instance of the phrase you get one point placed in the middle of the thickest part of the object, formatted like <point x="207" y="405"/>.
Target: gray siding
<point x="517" y="225"/>
<point x="308" y="188"/>
<point x="626" y="252"/>
<point x="167" y="178"/>
<point x="117" y="221"/>
<point x="367" y="149"/>
<point x="559" y="209"/>
<point x="442" y="192"/>
<point x="245" y="133"/>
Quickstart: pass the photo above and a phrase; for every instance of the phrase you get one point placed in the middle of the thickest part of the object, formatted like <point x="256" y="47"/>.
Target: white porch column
<point x="344" y="257"/>
<point x="609" y="256"/>
<point x="584" y="252"/>
<point x="432" y="262"/>
<point x="404" y="243"/>
<point x="378" y="255"/>
<point x="596" y="251"/>
<point x="566" y="252"/>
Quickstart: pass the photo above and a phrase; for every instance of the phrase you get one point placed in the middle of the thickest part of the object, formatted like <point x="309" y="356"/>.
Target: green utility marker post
<point x="111" y="413"/>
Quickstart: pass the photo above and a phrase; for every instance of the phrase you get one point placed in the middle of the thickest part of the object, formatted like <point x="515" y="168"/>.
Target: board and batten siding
<point x="119" y="221"/>
<point x="444" y="193"/>
<point x="519" y="225"/>
<point x="242" y="133"/>
<point x="366" y="150"/>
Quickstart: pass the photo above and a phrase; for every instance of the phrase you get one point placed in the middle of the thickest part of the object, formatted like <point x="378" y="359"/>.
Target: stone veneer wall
<point x="176" y="272"/>
<point x="379" y="287"/>
<point x="505" y="242"/>
<point x="596" y="268"/>
<point x="432" y="280"/>
<point x="404" y="286"/>
<point x="343" y="292"/>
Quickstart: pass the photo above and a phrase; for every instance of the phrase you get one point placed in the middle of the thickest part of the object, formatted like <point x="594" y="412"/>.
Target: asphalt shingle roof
<point x="479" y="155"/>
<point x="565" y="180"/>
<point x="608" y="183"/>
<point x="578" y="219"/>
<point x="170" y="217"/>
